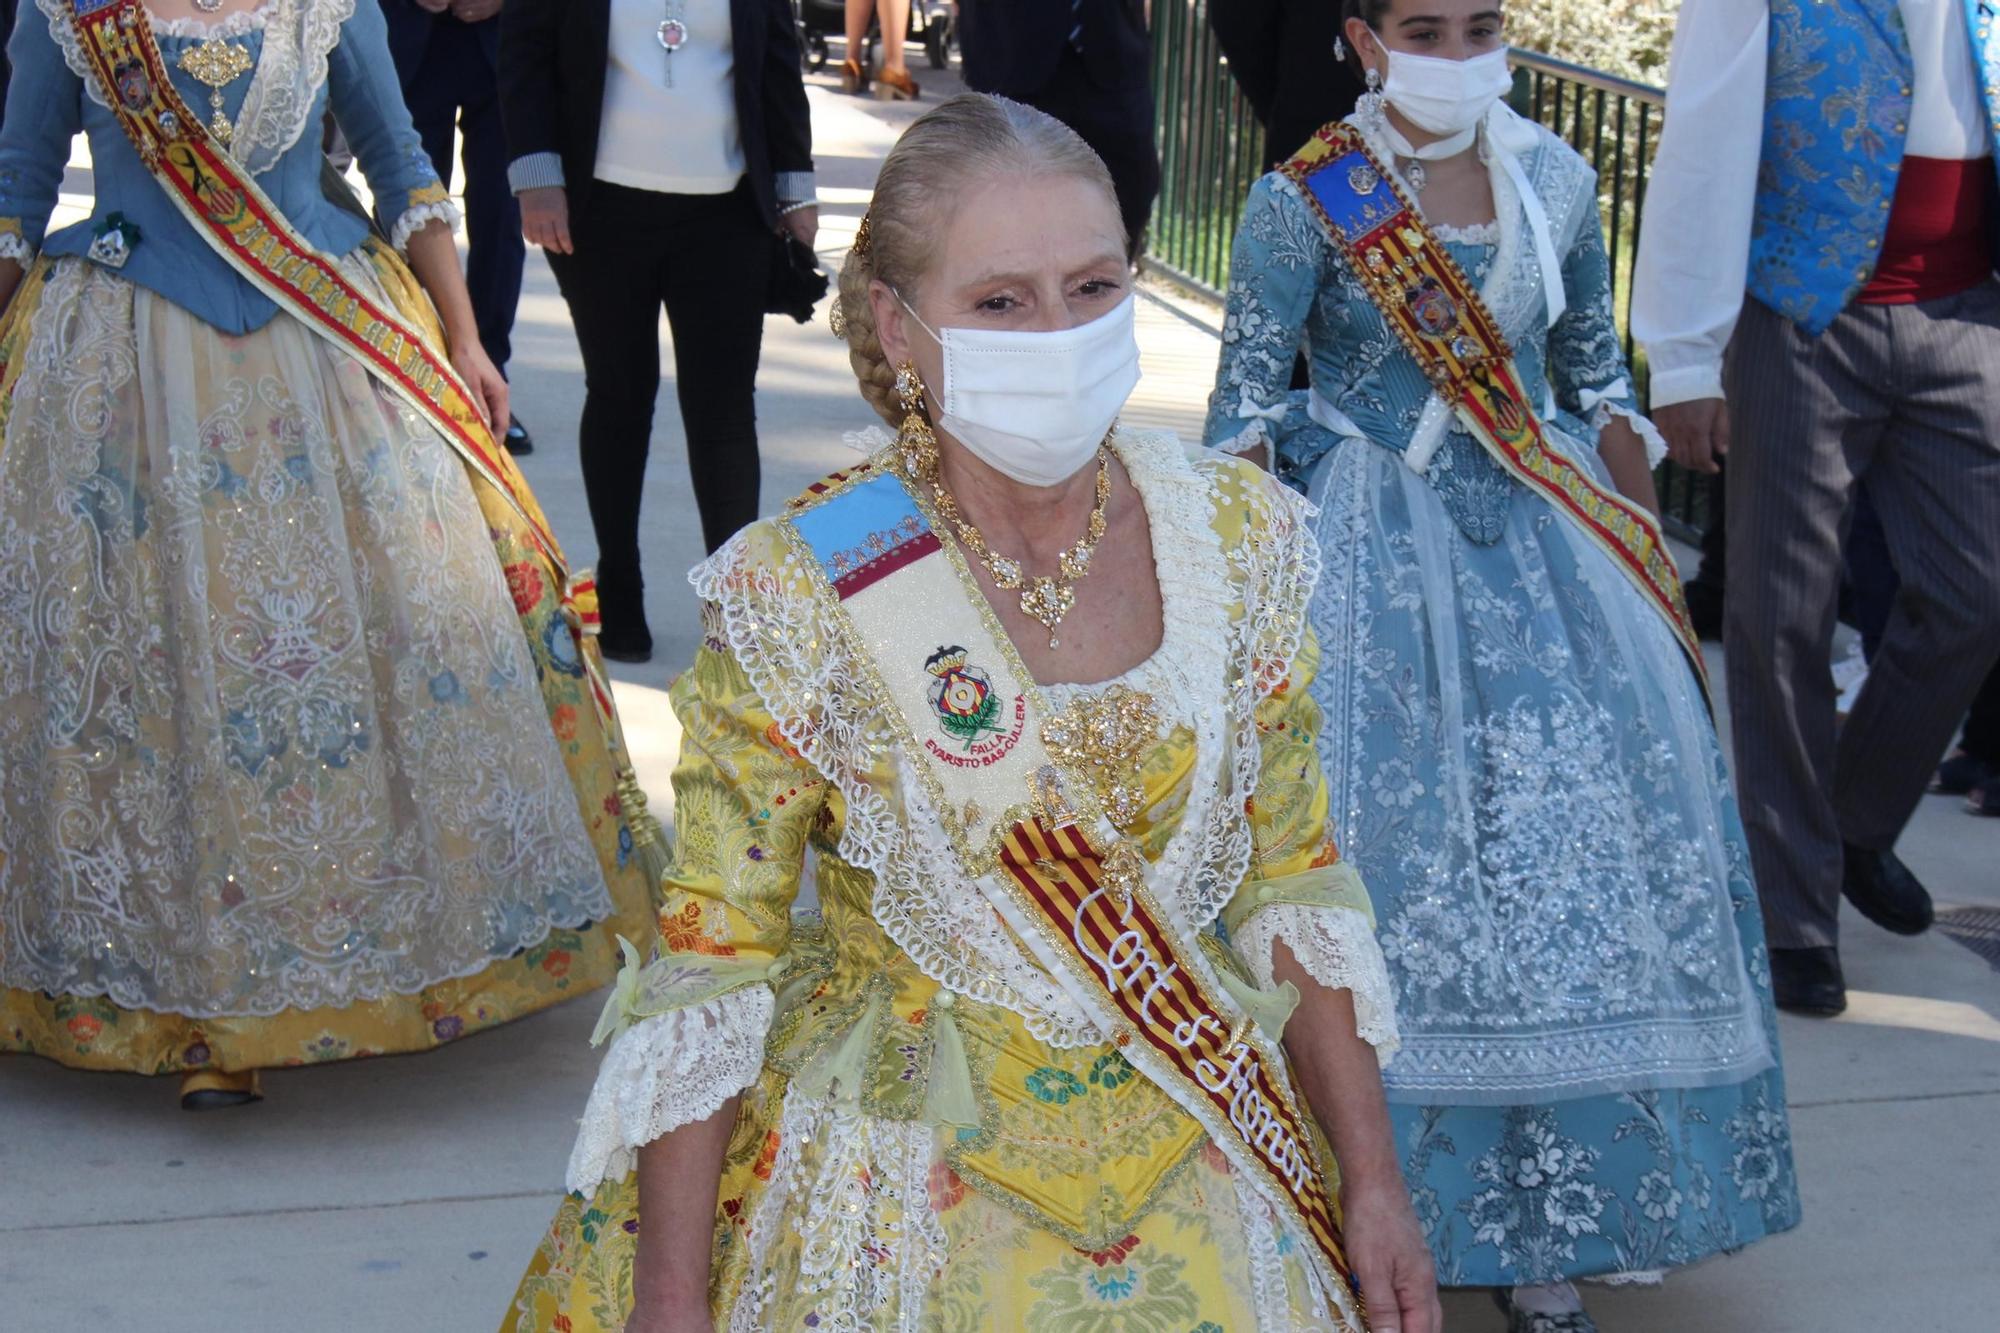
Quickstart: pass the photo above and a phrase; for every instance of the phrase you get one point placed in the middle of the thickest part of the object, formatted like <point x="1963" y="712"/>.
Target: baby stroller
<point x="932" y="22"/>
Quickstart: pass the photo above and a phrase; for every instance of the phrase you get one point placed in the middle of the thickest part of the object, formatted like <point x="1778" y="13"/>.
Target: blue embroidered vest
<point x="1836" y="113"/>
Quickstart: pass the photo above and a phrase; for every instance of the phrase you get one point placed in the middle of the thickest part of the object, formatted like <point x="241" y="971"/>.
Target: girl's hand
<point x="483" y="380"/>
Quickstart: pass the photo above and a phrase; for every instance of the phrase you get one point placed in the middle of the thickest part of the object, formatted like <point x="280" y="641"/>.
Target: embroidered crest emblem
<point x="1431" y="306"/>
<point x="135" y="88"/>
<point x="971" y="711"/>
<point x="1361" y="178"/>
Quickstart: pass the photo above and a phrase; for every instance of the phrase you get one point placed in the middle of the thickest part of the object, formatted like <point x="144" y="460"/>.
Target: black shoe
<point x="1705" y="610"/>
<point x="1985" y="800"/>
<point x="1961" y="774"/>
<point x="625" y="638"/>
<point x="519" y="443"/>
<point x="1883" y="890"/>
<point x="1808" y="981"/>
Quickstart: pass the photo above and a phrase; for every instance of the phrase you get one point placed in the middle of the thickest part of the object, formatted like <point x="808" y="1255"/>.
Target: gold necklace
<point x="1047" y="598"/>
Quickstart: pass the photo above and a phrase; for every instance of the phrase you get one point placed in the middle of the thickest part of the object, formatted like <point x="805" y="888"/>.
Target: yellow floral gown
<point x="925" y="1140"/>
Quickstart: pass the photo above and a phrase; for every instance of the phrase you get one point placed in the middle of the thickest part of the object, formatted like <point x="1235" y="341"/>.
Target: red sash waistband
<point x="1937" y="244"/>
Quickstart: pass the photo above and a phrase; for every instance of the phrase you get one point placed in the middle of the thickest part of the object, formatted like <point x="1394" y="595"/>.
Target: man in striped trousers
<point x="1835" y="161"/>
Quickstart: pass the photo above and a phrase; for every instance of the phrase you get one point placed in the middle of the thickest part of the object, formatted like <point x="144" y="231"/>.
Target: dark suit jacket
<point x="1012" y="47"/>
<point x="553" y="55"/>
<point x="411" y="26"/>
<point x="1281" y="53"/>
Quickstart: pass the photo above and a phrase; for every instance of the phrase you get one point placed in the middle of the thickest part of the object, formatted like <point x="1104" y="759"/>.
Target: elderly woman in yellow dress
<point x="1087" y="1033"/>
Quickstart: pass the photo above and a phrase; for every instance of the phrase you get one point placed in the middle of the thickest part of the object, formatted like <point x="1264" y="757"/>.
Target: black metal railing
<point x="1211" y="151"/>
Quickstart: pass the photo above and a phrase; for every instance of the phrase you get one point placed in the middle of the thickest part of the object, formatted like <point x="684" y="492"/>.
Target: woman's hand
<point x="1391" y="1260"/>
<point x="487" y="385"/>
<point x="803" y="225"/>
<point x="693" y="1319"/>
<point x="545" y="218"/>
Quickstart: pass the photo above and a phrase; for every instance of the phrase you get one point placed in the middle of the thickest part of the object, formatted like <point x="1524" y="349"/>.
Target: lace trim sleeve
<point x="14" y="246"/>
<point x="1336" y="945"/>
<point x="1656" y="443"/>
<point x="664" y="1072"/>
<point x="414" y="219"/>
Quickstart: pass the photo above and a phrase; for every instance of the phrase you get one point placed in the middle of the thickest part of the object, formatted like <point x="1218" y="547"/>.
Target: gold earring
<point x="914" y="441"/>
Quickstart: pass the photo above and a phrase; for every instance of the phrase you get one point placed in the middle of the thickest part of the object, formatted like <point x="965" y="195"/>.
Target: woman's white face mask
<point x="1034" y="405"/>
<point x="1446" y="97"/>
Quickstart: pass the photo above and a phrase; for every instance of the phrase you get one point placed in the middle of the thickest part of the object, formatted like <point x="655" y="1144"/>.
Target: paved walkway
<point x="408" y="1193"/>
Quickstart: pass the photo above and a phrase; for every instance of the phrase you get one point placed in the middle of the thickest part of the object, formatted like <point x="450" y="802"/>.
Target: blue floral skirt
<point x="1525" y="773"/>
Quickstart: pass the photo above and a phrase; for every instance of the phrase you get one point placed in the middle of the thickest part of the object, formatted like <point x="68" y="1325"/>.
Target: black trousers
<point x="707" y="258"/>
<point x="455" y="82"/>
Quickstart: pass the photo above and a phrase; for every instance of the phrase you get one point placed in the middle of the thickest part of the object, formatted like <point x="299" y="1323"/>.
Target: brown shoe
<point x="216" y="1089"/>
<point x="895" y="85"/>
<point x="853" y="78"/>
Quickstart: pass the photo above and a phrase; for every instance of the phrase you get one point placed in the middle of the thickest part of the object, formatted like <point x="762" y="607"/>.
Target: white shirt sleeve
<point x="1694" y="249"/>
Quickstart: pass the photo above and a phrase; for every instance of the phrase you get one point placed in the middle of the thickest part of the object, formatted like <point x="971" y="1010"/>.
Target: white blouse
<point x="1687" y="289"/>
<point x="670" y="119"/>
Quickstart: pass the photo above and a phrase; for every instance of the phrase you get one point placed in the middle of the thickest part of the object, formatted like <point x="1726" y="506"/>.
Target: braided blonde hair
<point x="966" y="138"/>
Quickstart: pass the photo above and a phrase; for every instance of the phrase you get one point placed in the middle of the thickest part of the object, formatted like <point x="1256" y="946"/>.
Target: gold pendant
<point x="1049" y="601"/>
<point x="217" y="64"/>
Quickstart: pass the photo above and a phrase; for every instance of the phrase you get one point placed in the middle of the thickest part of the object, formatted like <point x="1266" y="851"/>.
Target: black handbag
<point x="796" y="283"/>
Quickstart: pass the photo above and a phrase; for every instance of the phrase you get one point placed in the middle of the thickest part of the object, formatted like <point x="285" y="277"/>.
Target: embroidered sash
<point x="1030" y="832"/>
<point x="1438" y="314"/>
<point x="230" y="211"/>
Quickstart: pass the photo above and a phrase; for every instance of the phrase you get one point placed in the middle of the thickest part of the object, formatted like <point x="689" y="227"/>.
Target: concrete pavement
<point x="409" y="1193"/>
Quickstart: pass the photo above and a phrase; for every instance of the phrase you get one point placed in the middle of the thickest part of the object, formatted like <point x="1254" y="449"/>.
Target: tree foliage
<point x="1630" y="38"/>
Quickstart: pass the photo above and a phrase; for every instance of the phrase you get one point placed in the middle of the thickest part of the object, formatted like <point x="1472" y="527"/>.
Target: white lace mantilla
<point x="1337" y="948"/>
<point x="664" y="1072"/>
<point x="791" y="645"/>
<point x="278" y="107"/>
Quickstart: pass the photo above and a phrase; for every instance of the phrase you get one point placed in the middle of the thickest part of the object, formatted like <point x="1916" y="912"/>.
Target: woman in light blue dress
<point x="1523" y="765"/>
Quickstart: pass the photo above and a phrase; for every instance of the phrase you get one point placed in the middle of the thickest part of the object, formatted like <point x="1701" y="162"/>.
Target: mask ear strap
<point x="911" y="311"/>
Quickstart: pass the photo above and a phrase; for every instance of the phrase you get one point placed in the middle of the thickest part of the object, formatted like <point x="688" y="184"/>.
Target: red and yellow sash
<point x="1438" y="314"/>
<point x="1112" y="934"/>
<point x="231" y="212"/>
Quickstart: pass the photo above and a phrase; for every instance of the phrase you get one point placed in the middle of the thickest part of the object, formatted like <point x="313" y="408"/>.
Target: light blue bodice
<point x="1837" y="111"/>
<point x="309" y="56"/>
<point x="1289" y="287"/>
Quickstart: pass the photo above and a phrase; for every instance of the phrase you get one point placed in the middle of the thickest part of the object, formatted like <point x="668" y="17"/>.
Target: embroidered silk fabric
<point x="290" y="720"/>
<point x="916" y="1155"/>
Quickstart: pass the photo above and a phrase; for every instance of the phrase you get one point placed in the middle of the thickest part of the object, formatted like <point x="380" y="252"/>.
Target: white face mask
<point x="1446" y="96"/>
<point x="1035" y="405"/>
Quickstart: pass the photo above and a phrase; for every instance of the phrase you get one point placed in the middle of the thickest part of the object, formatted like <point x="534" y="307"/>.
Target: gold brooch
<point x="1105" y="737"/>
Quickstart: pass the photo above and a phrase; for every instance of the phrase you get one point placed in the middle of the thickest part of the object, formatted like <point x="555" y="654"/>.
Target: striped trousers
<point x="1909" y="397"/>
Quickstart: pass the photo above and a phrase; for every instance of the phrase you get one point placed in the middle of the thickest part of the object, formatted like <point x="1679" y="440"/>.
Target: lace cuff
<point x="1254" y="434"/>
<point x="1336" y="946"/>
<point x="1656" y="443"/>
<point x="664" y="1072"/>
<point x="415" y="218"/>
<point x="14" y="246"/>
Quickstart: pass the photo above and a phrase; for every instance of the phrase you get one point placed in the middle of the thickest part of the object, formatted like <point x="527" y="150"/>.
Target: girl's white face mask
<point x="1034" y="405"/>
<point x="1446" y="96"/>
